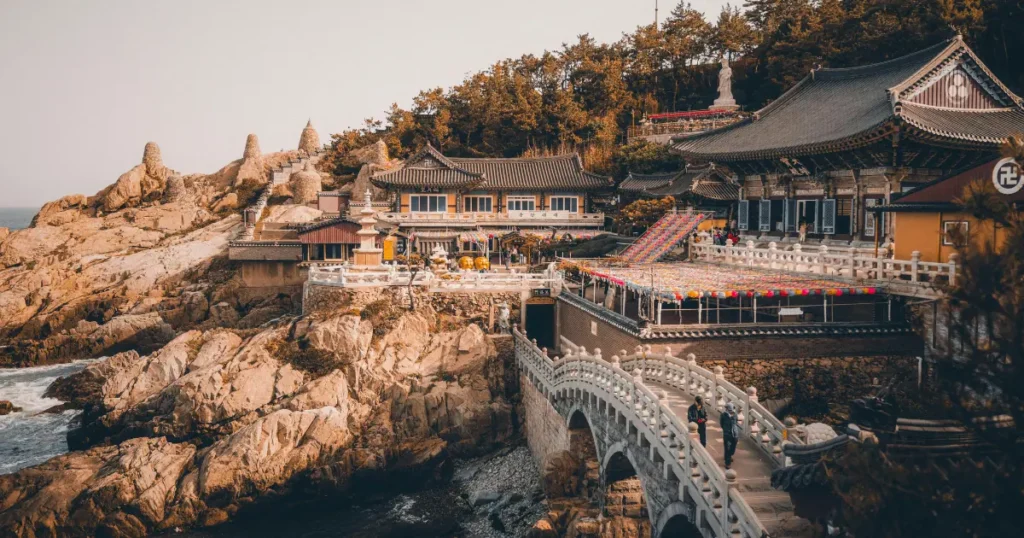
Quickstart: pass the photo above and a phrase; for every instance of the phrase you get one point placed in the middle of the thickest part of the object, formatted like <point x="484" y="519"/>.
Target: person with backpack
<point x="730" y="431"/>
<point x="697" y="414"/>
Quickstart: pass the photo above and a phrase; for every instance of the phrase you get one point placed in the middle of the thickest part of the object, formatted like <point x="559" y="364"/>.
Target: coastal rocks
<point x="61" y="211"/>
<point x="143" y="182"/>
<point x="269" y="451"/>
<point x="309" y="140"/>
<point x="6" y="408"/>
<point x="214" y="420"/>
<point x="251" y="170"/>
<point x="305" y="184"/>
<point x="108" y="491"/>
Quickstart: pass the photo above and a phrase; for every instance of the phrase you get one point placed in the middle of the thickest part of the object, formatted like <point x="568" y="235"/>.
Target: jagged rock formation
<point x="214" y="420"/>
<point x="305" y="184"/>
<point x="376" y="153"/>
<point x="251" y="169"/>
<point x="83" y="280"/>
<point x="309" y="140"/>
<point x="142" y="183"/>
<point x="373" y="158"/>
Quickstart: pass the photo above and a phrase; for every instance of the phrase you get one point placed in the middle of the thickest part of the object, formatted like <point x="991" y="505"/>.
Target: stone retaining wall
<point x="546" y="433"/>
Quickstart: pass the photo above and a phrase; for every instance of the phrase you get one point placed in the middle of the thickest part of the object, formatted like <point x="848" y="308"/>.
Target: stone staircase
<point x="283" y="172"/>
<point x="773" y="507"/>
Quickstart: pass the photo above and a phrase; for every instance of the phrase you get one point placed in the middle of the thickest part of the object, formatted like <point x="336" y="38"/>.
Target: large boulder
<point x="61" y="211"/>
<point x="142" y="183"/>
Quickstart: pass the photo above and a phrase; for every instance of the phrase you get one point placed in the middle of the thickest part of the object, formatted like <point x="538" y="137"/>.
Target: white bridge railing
<point x="644" y="403"/>
<point x="391" y="275"/>
<point x="472" y="218"/>
<point x="822" y="261"/>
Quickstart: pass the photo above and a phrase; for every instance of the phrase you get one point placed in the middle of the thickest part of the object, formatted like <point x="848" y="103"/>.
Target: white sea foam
<point x="30" y="436"/>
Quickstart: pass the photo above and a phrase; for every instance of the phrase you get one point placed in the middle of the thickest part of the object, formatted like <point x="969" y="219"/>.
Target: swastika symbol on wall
<point x="1008" y="177"/>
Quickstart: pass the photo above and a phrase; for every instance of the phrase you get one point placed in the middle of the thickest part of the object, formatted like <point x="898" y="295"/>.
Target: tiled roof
<point x="561" y="172"/>
<point x="429" y="168"/>
<point x="945" y="192"/>
<point x="838" y="109"/>
<point x="982" y="126"/>
<point x="316" y="225"/>
<point x="641" y="182"/>
<point x="700" y="181"/>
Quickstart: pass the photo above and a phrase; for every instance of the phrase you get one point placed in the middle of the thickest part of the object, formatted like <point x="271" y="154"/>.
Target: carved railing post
<point x="952" y="268"/>
<point x="915" y="261"/>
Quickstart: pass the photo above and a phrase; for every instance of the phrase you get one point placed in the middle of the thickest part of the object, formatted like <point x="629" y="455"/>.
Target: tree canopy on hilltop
<point x="582" y="96"/>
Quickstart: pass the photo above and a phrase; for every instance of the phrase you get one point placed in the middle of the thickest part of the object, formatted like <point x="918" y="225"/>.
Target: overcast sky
<point x="87" y="84"/>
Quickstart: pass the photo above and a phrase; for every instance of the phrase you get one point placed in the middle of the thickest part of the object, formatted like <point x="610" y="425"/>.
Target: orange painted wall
<point x="923" y="232"/>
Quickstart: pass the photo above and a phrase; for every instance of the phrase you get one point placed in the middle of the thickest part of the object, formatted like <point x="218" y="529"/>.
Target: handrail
<point x="823" y="261"/>
<point x="644" y="404"/>
<point x="348" y="276"/>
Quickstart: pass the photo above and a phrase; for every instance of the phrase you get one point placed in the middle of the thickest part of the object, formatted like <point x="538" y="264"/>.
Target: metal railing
<point x="823" y="261"/>
<point x="641" y="398"/>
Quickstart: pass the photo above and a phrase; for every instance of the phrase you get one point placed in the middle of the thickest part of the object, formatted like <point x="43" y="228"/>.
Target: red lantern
<point x="750" y="294"/>
<point x="839" y="292"/>
<point x="872" y="291"/>
<point x="769" y="293"/>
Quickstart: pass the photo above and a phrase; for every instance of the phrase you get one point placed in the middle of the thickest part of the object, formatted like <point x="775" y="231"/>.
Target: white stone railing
<point x="567" y="217"/>
<point x="822" y="261"/>
<point x="645" y="405"/>
<point x="392" y="275"/>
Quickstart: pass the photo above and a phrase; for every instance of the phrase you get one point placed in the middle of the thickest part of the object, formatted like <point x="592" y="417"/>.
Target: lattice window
<point x="428" y="203"/>
<point x="765" y="216"/>
<point x="789" y="215"/>
<point x="742" y="214"/>
<point x="828" y="216"/>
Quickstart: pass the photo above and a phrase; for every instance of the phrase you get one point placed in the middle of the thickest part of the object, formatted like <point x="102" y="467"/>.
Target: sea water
<point x="16" y="218"/>
<point x="32" y="436"/>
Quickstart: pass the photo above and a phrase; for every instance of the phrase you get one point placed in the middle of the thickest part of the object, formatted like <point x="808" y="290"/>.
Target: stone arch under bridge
<point x="632" y="410"/>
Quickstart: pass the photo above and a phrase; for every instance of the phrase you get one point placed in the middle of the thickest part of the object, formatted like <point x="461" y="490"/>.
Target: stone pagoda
<point x="368" y="254"/>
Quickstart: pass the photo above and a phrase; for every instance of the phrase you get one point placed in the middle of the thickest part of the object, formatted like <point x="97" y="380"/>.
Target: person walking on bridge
<point x="697" y="414"/>
<point x="730" y="431"/>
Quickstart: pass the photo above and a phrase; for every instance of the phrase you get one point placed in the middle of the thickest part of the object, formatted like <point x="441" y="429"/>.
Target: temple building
<point x="468" y="204"/>
<point x="843" y="141"/>
<point x="704" y="188"/>
<point x="926" y="218"/>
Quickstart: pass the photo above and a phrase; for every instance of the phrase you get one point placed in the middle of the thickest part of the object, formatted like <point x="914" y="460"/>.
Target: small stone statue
<point x="504" y="319"/>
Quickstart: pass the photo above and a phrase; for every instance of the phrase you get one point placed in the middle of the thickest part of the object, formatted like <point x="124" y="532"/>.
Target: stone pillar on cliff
<point x="725" y="100"/>
<point x="309" y="141"/>
<point x="368" y="254"/>
<point x="251" y="169"/>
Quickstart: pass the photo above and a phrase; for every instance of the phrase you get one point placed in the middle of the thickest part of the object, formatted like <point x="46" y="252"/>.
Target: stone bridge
<point x="629" y="414"/>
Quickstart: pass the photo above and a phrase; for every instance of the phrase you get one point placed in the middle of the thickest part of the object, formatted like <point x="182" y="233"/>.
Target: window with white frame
<point x="428" y="203"/>
<point x="565" y="203"/>
<point x="476" y="204"/>
<point x="953" y="229"/>
<point x="521" y="203"/>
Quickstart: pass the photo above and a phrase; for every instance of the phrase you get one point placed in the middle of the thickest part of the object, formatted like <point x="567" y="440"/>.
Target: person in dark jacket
<point x="730" y="432"/>
<point x="696" y="413"/>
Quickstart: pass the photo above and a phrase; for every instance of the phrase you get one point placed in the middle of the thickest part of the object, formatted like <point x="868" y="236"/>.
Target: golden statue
<point x="465" y="263"/>
<point x="481" y="263"/>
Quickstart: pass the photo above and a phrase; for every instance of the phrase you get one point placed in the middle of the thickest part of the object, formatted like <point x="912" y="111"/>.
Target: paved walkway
<point x="753" y="469"/>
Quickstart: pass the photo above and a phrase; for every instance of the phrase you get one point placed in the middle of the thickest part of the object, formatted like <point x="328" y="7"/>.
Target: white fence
<point x="644" y="404"/>
<point x="504" y="217"/>
<point x="393" y="275"/>
<point x="822" y="261"/>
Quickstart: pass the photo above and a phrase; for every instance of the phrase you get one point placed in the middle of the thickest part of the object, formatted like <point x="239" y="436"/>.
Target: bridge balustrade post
<point x="691" y="361"/>
<point x="952" y="268"/>
<point x="719" y="378"/>
<point x="822" y="259"/>
<point x="915" y="261"/>
<point x="750" y="397"/>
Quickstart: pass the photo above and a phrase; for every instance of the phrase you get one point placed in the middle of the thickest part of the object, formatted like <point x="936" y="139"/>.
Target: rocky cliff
<point x="133" y="265"/>
<point x="219" y="419"/>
